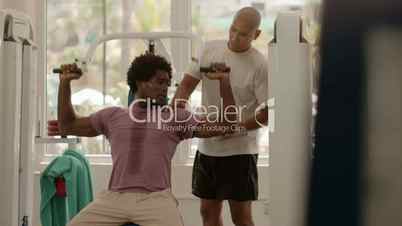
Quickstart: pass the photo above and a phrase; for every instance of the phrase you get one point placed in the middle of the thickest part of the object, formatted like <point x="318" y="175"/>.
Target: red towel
<point x="60" y="187"/>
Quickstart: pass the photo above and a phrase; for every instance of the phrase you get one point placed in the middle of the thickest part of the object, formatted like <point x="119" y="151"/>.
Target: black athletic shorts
<point x="225" y="178"/>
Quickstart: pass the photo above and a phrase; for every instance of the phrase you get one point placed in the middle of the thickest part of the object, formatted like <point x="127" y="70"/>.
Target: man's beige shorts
<point x="117" y="208"/>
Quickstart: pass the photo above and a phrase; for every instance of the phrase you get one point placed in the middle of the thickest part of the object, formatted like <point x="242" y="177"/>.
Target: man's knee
<point x="211" y="210"/>
<point x="75" y="222"/>
<point x="209" y="213"/>
<point x="241" y="213"/>
<point x="242" y="221"/>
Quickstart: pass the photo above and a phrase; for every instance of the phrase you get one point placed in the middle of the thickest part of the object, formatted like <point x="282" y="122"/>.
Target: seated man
<point x="143" y="139"/>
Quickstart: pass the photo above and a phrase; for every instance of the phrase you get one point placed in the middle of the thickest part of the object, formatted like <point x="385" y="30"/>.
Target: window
<point x="72" y="26"/>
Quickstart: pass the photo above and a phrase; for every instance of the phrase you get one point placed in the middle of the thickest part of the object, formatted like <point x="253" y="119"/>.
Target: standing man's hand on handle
<point x="220" y="71"/>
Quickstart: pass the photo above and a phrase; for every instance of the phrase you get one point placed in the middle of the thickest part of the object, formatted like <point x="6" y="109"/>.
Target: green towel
<point x="58" y="211"/>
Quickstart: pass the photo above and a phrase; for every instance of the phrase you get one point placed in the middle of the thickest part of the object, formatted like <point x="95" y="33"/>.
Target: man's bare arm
<point x="68" y="122"/>
<point x="228" y="124"/>
<point x="185" y="89"/>
<point x="261" y="118"/>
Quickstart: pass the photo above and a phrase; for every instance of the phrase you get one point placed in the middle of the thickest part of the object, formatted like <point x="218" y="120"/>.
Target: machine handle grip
<point x="59" y="71"/>
<point x="210" y="70"/>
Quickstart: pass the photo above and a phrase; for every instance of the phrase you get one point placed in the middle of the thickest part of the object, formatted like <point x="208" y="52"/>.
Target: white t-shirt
<point x="249" y="81"/>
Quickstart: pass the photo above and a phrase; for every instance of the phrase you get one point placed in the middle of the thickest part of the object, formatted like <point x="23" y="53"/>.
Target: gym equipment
<point x="18" y="54"/>
<point x="290" y="118"/>
<point x="153" y="38"/>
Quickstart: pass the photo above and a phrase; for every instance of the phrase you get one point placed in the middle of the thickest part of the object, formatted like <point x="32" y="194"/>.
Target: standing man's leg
<point x="211" y="212"/>
<point x="204" y="187"/>
<point x="238" y="183"/>
<point x="233" y="178"/>
<point x="241" y="213"/>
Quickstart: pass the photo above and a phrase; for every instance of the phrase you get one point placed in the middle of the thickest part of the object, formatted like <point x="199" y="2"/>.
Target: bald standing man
<point x="225" y="168"/>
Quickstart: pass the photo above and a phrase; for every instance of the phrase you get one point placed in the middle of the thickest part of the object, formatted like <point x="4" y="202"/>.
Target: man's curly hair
<point x="144" y="67"/>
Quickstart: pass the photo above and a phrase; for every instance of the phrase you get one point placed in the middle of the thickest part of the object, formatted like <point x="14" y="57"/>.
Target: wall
<point x="181" y="182"/>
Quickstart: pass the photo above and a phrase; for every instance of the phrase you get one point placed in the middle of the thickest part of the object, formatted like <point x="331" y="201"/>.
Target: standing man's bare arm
<point x="229" y="123"/>
<point x="261" y="119"/>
